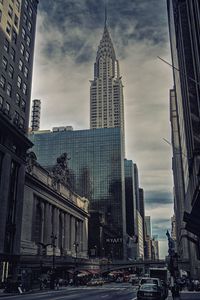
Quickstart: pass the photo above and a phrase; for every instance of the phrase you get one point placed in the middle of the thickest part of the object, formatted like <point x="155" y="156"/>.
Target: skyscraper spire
<point x="105" y="22"/>
<point x="106" y="90"/>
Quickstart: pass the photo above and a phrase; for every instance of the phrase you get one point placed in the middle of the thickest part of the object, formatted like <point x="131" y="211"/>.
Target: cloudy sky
<point x="68" y="34"/>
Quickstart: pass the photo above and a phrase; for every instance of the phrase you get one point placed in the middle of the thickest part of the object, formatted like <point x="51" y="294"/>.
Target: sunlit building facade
<point x="106" y="89"/>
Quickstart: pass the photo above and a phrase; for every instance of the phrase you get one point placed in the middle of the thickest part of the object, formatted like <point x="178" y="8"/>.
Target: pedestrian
<point x="175" y="292"/>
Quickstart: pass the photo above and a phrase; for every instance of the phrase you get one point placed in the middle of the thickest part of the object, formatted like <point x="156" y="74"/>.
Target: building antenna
<point x="173" y="67"/>
<point x="105" y="21"/>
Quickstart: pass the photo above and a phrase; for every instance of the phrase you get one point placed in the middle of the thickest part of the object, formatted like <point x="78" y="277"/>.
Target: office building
<point x="17" y="34"/>
<point x="96" y="171"/>
<point x="106" y="89"/>
<point x="184" y="28"/>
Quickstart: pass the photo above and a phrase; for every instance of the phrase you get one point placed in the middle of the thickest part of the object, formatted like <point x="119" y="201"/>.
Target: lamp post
<point x="53" y="245"/>
<point x="76" y="245"/>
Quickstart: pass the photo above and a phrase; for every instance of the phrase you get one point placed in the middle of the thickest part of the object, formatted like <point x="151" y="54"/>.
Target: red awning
<point x="93" y="271"/>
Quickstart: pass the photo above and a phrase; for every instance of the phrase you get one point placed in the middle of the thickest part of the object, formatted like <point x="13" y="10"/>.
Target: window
<point x="22" y="122"/>
<point x="20" y="65"/>
<point x="23" y="33"/>
<point x="25" y="18"/>
<point x="28" y="41"/>
<point x="18" y="99"/>
<point x="4" y="63"/>
<point x="10" y="11"/>
<point x="24" y="88"/>
<point x="30" y="12"/>
<point x="9" y="89"/>
<point x="12" y="54"/>
<point x="18" y="5"/>
<point x="26" y="4"/>
<point x="19" y="81"/>
<point x="16" y="21"/>
<point x="26" y="72"/>
<point x="23" y="105"/>
<point x="6" y="45"/>
<point x="14" y="36"/>
<point x="7" y="108"/>
<point x="16" y="117"/>
<point x="29" y="26"/>
<point x="8" y="28"/>
<point x="2" y="82"/>
<point x="11" y="71"/>
<point x="27" y="56"/>
<point x="22" y="48"/>
<point x="1" y="102"/>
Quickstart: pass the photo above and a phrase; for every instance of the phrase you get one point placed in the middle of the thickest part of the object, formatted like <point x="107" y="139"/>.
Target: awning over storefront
<point x="94" y="272"/>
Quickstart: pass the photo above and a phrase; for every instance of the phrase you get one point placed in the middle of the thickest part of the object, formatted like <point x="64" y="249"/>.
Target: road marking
<point x="104" y="296"/>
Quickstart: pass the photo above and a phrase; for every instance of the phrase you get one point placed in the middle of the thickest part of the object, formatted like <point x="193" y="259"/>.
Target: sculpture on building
<point x="31" y="160"/>
<point x="60" y="172"/>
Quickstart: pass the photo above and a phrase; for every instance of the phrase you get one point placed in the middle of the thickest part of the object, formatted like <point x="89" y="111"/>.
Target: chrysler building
<point x="106" y="90"/>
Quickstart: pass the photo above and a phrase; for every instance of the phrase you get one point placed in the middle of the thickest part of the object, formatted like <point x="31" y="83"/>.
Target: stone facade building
<point x="55" y="221"/>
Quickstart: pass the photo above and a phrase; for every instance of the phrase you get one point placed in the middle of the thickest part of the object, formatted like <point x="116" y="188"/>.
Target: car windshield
<point x="149" y="287"/>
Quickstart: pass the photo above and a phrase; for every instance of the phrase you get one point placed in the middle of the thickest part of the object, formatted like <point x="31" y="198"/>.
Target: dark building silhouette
<point x="17" y="34"/>
<point x="184" y="28"/>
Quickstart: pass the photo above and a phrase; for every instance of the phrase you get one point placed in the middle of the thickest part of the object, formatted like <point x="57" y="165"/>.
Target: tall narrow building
<point x="184" y="28"/>
<point x="106" y="90"/>
<point x="35" y="117"/>
<point x="17" y="35"/>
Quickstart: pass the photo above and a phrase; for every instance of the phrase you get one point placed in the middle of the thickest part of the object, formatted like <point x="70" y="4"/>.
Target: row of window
<point x="21" y="85"/>
<point x="24" y="52"/>
<point x="6" y="108"/>
<point x="10" y="68"/>
<point x="17" y="3"/>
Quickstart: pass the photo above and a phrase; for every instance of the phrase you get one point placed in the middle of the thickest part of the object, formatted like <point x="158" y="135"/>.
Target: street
<point x="113" y="291"/>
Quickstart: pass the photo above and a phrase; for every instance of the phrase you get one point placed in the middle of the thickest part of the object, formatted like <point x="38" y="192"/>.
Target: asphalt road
<point x="120" y="291"/>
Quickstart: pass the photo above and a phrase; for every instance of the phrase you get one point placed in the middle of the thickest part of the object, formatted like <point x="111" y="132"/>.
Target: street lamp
<point x="76" y="245"/>
<point x="53" y="245"/>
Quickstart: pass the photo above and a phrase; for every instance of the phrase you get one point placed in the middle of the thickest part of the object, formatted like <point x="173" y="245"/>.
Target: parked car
<point x="119" y="280"/>
<point x="149" y="291"/>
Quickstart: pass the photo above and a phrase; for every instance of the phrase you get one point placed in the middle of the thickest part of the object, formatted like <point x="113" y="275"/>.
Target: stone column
<point x="67" y="231"/>
<point x="56" y="224"/>
<point x="19" y="208"/>
<point x="73" y="236"/>
<point x="42" y="221"/>
<point x="85" y="235"/>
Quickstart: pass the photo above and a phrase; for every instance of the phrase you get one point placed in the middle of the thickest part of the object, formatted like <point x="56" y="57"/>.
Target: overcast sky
<point x="68" y="34"/>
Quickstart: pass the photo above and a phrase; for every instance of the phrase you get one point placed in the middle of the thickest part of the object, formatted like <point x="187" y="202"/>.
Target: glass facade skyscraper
<point x="96" y="170"/>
